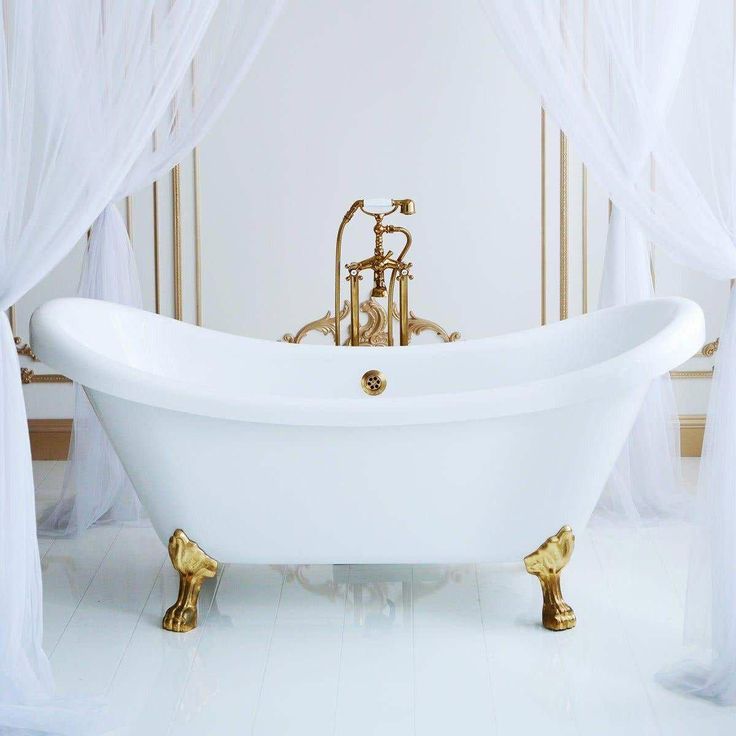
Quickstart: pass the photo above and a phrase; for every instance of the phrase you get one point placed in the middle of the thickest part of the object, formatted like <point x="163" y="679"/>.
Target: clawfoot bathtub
<point x="266" y="452"/>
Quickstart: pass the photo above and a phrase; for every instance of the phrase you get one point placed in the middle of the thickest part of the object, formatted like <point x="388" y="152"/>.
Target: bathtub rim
<point x="55" y="343"/>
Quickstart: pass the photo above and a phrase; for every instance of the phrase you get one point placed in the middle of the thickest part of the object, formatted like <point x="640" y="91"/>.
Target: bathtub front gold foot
<point x="547" y="563"/>
<point x="193" y="566"/>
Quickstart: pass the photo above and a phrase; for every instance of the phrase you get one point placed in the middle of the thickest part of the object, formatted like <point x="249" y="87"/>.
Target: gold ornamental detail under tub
<point x="374" y="331"/>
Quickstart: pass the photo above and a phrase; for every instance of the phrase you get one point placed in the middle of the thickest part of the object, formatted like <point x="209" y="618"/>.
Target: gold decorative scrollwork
<point x="374" y="331"/>
<point x="27" y="376"/>
<point x="325" y="325"/>
<point x="417" y="325"/>
<point x="24" y="349"/>
<point x="709" y="349"/>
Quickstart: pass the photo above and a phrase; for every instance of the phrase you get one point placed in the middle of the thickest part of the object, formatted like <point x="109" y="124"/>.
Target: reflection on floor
<point x="373" y="650"/>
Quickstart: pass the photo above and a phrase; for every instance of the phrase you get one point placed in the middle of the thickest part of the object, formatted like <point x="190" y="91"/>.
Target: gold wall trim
<point x="692" y="374"/>
<point x="564" y="228"/>
<point x="197" y="239"/>
<point x="543" y="207"/>
<point x="29" y="376"/>
<point x="176" y="232"/>
<point x="24" y="349"/>
<point x="375" y="329"/>
<point x="11" y="318"/>
<point x="129" y="216"/>
<point x="156" y="251"/>
<point x="692" y="429"/>
<point x="710" y="348"/>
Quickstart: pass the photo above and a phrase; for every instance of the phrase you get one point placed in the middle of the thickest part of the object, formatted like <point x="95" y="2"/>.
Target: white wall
<point x="401" y="99"/>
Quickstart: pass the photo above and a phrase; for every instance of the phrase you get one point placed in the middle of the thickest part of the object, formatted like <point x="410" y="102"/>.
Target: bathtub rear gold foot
<point x="547" y="563"/>
<point x="193" y="566"/>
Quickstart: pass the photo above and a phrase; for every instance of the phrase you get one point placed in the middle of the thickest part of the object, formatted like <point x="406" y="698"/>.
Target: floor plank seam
<point x="84" y="593"/>
<point x="485" y="648"/>
<point x="135" y="628"/>
<point x="267" y="656"/>
<point x="629" y="644"/>
<point x="413" y="659"/>
<point x="201" y="632"/>
<point x="342" y="643"/>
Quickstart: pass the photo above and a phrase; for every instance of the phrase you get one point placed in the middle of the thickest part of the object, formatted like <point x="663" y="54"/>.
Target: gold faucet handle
<point x="385" y="262"/>
<point x="359" y="265"/>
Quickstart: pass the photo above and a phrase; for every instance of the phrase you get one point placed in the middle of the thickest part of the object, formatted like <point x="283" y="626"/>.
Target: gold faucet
<point x="380" y="262"/>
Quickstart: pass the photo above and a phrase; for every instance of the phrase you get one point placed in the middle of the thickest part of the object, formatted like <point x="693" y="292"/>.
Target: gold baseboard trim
<point x="50" y="438"/>
<point x="692" y="427"/>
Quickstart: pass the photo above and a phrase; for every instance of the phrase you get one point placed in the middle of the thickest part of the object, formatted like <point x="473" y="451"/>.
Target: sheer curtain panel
<point x="96" y="487"/>
<point x="607" y="73"/>
<point x="597" y="66"/>
<point x="82" y="87"/>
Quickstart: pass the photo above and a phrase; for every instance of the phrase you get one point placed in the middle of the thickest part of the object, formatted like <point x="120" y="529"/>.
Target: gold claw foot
<point x="546" y="563"/>
<point x="193" y="566"/>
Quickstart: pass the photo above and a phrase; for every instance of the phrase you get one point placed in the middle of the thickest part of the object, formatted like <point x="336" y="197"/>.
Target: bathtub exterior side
<point x="483" y="490"/>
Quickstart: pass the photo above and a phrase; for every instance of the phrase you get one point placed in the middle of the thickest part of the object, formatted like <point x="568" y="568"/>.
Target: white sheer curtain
<point x="76" y="110"/>
<point x="612" y="69"/>
<point x="691" y="212"/>
<point x="96" y="487"/>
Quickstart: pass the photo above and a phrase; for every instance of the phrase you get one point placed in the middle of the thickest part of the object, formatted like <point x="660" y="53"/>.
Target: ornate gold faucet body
<point x="380" y="263"/>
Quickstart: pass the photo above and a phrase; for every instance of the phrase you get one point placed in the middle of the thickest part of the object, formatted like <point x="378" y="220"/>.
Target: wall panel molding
<point x="564" y="228"/>
<point x="177" y="240"/>
<point x="543" y="206"/>
<point x="692" y="429"/>
<point x="50" y="438"/>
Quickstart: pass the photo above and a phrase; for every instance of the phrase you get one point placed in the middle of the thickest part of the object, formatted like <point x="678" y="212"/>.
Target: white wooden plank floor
<point x="373" y="650"/>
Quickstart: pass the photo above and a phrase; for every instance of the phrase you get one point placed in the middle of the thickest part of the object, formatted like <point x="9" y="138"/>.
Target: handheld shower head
<point x="381" y="206"/>
<point x="406" y="206"/>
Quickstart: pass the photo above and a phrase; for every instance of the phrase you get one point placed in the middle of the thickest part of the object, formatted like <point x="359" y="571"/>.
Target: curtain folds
<point x="608" y="74"/>
<point x="631" y="81"/>
<point x="82" y="88"/>
<point x="96" y="487"/>
<point x="645" y="485"/>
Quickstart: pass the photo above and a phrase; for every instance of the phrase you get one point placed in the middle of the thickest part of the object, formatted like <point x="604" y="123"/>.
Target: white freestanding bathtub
<point x="268" y="452"/>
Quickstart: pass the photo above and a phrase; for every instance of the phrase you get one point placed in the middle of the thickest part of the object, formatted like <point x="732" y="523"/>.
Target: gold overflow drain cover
<point x="373" y="383"/>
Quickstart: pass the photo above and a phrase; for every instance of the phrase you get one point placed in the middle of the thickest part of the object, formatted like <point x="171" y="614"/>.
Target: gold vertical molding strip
<point x="543" y="207"/>
<point x="11" y="318"/>
<point x="176" y="232"/>
<point x="197" y="239"/>
<point x="129" y="216"/>
<point x="564" y="231"/>
<point x="156" y="253"/>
